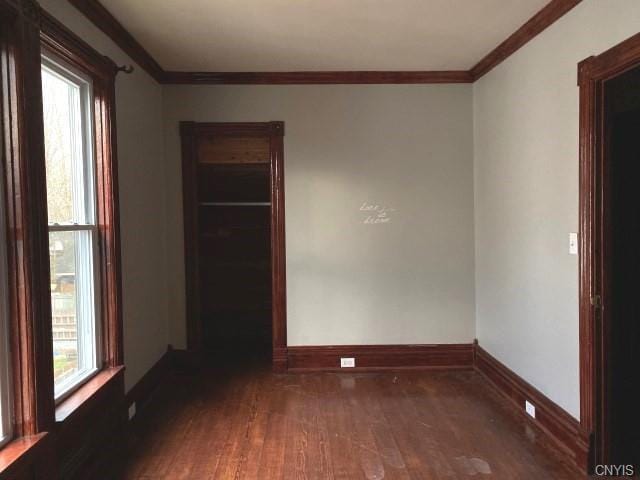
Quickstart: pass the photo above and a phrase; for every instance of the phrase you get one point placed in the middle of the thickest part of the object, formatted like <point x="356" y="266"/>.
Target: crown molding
<point x="64" y="43"/>
<point x="105" y="21"/>
<point x="535" y="25"/>
<point x="316" y="78"/>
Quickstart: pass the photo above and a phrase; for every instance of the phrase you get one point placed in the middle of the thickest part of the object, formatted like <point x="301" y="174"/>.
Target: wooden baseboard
<point x="173" y="359"/>
<point x="89" y="428"/>
<point x="142" y="391"/>
<point x="29" y="458"/>
<point x="380" y="357"/>
<point x="185" y="360"/>
<point x="279" y="360"/>
<point x="561" y="429"/>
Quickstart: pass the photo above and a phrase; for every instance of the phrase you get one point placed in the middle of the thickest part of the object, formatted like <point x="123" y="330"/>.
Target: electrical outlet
<point x="347" y="362"/>
<point x="530" y="408"/>
<point x="132" y="410"/>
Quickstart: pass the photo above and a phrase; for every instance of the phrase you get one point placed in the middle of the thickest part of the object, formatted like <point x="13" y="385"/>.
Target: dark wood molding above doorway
<point x="274" y="131"/>
<point x="593" y="72"/>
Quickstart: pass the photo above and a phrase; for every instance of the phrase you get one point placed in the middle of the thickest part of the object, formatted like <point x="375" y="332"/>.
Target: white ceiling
<point x="308" y="35"/>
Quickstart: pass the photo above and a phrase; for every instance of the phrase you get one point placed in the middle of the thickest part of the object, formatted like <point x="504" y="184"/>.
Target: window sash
<point x="83" y="171"/>
<point x="87" y="307"/>
<point x="71" y="227"/>
<point x="85" y="232"/>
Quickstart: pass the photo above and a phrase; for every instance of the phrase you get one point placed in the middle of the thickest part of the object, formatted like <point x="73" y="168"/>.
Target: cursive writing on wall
<point x="376" y="214"/>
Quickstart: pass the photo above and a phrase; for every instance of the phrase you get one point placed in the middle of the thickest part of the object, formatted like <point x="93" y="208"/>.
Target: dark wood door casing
<point x="594" y="292"/>
<point x="274" y="131"/>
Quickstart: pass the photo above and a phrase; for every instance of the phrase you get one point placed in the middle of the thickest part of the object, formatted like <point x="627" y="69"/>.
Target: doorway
<point x="233" y="193"/>
<point x="610" y="259"/>
<point x="622" y="318"/>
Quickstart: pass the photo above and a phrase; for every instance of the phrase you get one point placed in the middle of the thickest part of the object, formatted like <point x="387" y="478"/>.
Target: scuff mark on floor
<point x="473" y="466"/>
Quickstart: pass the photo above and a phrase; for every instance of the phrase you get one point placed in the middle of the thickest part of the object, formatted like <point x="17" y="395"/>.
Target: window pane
<point x="72" y="232"/>
<point x="73" y="307"/>
<point x="65" y="148"/>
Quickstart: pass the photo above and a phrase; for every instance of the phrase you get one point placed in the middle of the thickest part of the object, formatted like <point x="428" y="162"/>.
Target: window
<point x="73" y="232"/>
<point x="6" y="421"/>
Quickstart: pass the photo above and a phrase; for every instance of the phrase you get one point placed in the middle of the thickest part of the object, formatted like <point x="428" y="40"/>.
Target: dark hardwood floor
<point x="248" y="423"/>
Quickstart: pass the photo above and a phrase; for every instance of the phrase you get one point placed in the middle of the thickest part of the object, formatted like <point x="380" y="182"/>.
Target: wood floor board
<point x="249" y="423"/>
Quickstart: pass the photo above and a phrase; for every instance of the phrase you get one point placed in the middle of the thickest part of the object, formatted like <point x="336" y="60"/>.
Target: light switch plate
<point x="347" y="362"/>
<point x="573" y="243"/>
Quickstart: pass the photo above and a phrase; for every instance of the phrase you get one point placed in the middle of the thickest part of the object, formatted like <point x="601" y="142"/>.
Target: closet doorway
<point x="609" y="256"/>
<point x="233" y="194"/>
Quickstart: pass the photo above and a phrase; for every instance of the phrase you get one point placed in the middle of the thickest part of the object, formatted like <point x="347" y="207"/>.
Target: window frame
<point x="25" y="32"/>
<point x="86" y="222"/>
<point x="6" y="390"/>
<point x="22" y="159"/>
<point x="65" y="49"/>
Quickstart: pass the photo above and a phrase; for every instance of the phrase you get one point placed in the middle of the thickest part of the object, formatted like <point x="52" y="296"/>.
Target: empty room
<point x="319" y="239"/>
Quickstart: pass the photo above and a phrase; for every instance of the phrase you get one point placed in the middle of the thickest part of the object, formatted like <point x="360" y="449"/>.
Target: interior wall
<point x="526" y="197"/>
<point x="405" y="280"/>
<point x="142" y="201"/>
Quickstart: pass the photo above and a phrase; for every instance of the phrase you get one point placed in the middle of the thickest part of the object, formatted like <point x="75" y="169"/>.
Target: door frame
<point x="190" y="132"/>
<point x="593" y="72"/>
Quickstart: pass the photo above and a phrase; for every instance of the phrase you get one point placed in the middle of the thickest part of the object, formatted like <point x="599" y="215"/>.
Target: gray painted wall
<point x="526" y="197"/>
<point x="142" y="200"/>
<point x="404" y="147"/>
<point x="410" y="148"/>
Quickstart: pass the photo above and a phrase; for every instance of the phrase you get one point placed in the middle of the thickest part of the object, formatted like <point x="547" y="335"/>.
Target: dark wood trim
<point x="58" y="39"/>
<point x="278" y="254"/>
<point x="185" y="360"/>
<point x="190" y="224"/>
<point x="172" y="360"/>
<point x="589" y="318"/>
<point x="316" y="78"/>
<point x="593" y="72"/>
<point x="105" y="21"/>
<point x="26" y="210"/>
<point x="84" y="398"/>
<point x="562" y="430"/>
<point x="59" y="42"/>
<point x="27" y="458"/>
<point x="380" y="357"/>
<point x="86" y="428"/>
<point x="190" y="131"/>
<point x="611" y="63"/>
<point x="89" y="420"/>
<point x="90" y="428"/>
<point x="534" y="26"/>
<point x="142" y="392"/>
<point x="236" y="129"/>
<point x="108" y="207"/>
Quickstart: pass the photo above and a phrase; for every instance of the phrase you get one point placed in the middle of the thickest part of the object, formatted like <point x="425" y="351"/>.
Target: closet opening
<point x="234" y="240"/>
<point x="609" y="258"/>
<point x="622" y="329"/>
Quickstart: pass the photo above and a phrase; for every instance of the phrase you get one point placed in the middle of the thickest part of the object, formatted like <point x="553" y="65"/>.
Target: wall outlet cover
<point x="347" y="362"/>
<point x="132" y="410"/>
<point x="573" y="243"/>
<point x="530" y="408"/>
